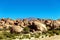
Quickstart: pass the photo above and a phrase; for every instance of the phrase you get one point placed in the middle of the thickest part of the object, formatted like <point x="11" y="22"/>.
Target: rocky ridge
<point x="37" y="24"/>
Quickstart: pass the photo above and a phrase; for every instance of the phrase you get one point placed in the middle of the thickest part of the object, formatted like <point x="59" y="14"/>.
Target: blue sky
<point x="30" y="8"/>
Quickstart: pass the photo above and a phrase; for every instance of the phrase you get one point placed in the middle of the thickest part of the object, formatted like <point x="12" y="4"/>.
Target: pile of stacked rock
<point x="18" y="25"/>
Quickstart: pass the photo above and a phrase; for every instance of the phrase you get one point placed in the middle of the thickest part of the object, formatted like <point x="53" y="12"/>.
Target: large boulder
<point x="49" y="23"/>
<point x="16" y="29"/>
<point x="22" y="24"/>
<point x="2" y="22"/>
<point x="30" y="22"/>
<point x="36" y="25"/>
<point x="1" y="28"/>
<point x="40" y="26"/>
<point x="56" y="24"/>
<point x="7" y="26"/>
<point x="25" y="21"/>
<point x="10" y="22"/>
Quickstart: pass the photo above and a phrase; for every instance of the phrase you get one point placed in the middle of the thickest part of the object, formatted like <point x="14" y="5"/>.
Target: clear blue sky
<point x="30" y="8"/>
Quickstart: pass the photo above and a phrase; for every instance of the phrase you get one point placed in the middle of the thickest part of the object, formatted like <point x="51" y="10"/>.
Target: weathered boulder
<point x="25" y="21"/>
<point x="40" y="26"/>
<point x="1" y="28"/>
<point x="37" y="25"/>
<point x="10" y="22"/>
<point x="49" y="23"/>
<point x="56" y="24"/>
<point x="7" y="26"/>
<point x="16" y="29"/>
<point x="2" y="22"/>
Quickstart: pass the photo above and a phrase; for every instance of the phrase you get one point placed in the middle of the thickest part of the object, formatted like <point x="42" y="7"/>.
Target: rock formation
<point x="18" y="25"/>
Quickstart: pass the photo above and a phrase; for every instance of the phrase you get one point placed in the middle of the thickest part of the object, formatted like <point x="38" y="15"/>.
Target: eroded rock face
<point x="40" y="26"/>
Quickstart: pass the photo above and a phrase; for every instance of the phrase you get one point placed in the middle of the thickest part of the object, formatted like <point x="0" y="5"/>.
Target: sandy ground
<point x="56" y="37"/>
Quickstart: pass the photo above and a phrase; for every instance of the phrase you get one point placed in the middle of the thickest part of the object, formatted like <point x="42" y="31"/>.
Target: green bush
<point x="26" y="36"/>
<point x="9" y="35"/>
<point x="26" y="30"/>
<point x="37" y="36"/>
<point x="2" y="37"/>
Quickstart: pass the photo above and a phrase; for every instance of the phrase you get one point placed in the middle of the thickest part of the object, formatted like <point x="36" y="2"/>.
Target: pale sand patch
<point x="56" y="37"/>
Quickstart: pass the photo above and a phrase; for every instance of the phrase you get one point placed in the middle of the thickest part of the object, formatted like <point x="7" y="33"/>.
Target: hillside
<point x="43" y="29"/>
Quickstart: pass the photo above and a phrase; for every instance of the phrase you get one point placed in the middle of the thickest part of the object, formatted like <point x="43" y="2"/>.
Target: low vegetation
<point x="26" y="34"/>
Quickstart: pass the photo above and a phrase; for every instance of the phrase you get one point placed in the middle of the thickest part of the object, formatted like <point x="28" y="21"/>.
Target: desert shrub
<point x="46" y="34"/>
<point x="50" y="35"/>
<point x="55" y="31"/>
<point x="2" y="37"/>
<point x="42" y="36"/>
<point x="26" y="36"/>
<point x="37" y="35"/>
<point x="1" y="29"/>
<point x="26" y="30"/>
<point x="8" y="35"/>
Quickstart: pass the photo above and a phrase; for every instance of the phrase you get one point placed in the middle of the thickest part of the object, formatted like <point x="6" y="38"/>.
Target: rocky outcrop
<point x="18" y="25"/>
